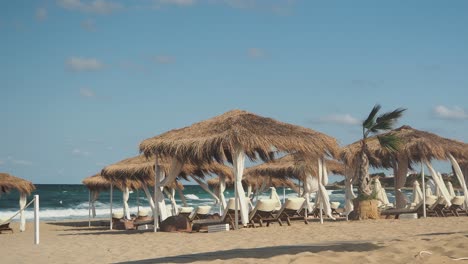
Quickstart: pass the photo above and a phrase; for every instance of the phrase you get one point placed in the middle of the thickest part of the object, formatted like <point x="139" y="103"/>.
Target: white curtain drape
<point x="310" y="186"/>
<point x="439" y="183"/>
<point x="429" y="190"/>
<point x="163" y="180"/>
<point x="125" y="196"/>
<point x="349" y="194"/>
<point x="238" y="158"/>
<point x="221" y="189"/>
<point x="149" y="197"/>
<point x="417" y="193"/>
<point x="94" y="198"/>
<point x="324" y="198"/>
<point x="171" y="195"/>
<point x="460" y="177"/>
<point x="22" y="204"/>
<point x="450" y="189"/>
<point x="274" y="196"/>
<point x="381" y="194"/>
<point x="182" y="197"/>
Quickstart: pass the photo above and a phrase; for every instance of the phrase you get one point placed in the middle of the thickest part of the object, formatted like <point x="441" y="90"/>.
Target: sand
<point x="370" y="241"/>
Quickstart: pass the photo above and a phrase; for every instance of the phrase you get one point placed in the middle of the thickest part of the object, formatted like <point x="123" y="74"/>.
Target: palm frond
<point x="387" y="120"/>
<point x="370" y="120"/>
<point x="390" y="142"/>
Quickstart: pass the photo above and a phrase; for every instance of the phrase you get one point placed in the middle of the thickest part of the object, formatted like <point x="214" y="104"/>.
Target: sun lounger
<point x="263" y="212"/>
<point x="292" y="209"/>
<point x="186" y="211"/>
<point x="5" y="226"/>
<point x="227" y="218"/>
<point x="202" y="212"/>
<point x="397" y="212"/>
<point x="439" y="206"/>
<point x="456" y="207"/>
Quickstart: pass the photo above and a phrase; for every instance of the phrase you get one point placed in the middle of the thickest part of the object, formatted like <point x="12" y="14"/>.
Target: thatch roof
<point x="96" y="183"/>
<point x="292" y="166"/>
<point x="9" y="182"/>
<point x="416" y="145"/>
<point x="142" y="169"/>
<point x="259" y="137"/>
<point x="275" y="182"/>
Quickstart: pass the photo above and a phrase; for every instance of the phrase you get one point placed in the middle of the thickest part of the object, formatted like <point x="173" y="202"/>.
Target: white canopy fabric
<point x="94" y="198"/>
<point x="381" y="194"/>
<point x="417" y="193"/>
<point x="274" y="196"/>
<point x="349" y="195"/>
<point x="161" y="181"/>
<point x="310" y="186"/>
<point x="324" y="199"/>
<point x="238" y="159"/>
<point x="460" y="177"/>
<point x="450" y="189"/>
<point x="221" y="189"/>
<point x="439" y="183"/>
<point x="125" y="196"/>
<point x="22" y="204"/>
<point x="429" y="190"/>
<point x="171" y="195"/>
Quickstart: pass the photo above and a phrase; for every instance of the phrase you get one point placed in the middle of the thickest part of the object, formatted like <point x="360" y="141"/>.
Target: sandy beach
<point x="371" y="241"/>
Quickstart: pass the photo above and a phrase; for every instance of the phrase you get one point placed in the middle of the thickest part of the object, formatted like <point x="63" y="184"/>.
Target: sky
<point x="83" y="82"/>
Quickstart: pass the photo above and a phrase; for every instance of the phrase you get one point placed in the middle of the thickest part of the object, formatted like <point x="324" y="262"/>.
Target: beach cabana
<point x="231" y="137"/>
<point x="140" y="169"/>
<point x="24" y="187"/>
<point x="416" y="147"/>
<point x="95" y="185"/>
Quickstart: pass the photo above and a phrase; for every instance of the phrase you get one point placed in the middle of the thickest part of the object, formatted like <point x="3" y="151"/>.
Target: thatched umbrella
<point x="24" y="187"/>
<point x="232" y="136"/>
<point x="416" y="147"/>
<point x="140" y="169"/>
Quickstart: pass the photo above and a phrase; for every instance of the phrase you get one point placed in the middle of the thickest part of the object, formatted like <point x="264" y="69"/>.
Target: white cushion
<point x="458" y="200"/>
<point x="203" y="209"/>
<point x="267" y="205"/>
<point x="335" y="205"/>
<point x="294" y="203"/>
<point x="118" y="215"/>
<point x="143" y="212"/>
<point x="186" y="210"/>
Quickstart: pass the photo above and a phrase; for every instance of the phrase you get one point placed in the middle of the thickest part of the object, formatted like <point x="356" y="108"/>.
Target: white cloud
<point x="454" y="113"/>
<point x="41" y="14"/>
<point x="255" y="53"/>
<point x="96" y="6"/>
<point x="88" y="93"/>
<point x="13" y="161"/>
<point x="176" y="2"/>
<point x="345" y="119"/>
<point x="88" y="25"/>
<point x="84" y="64"/>
<point x="164" y="59"/>
<point x="80" y="152"/>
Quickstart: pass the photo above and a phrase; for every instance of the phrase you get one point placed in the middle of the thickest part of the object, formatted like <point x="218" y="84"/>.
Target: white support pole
<point x="157" y="181"/>
<point x="111" y="190"/>
<point x="320" y="189"/>
<point x="284" y="194"/>
<point x="89" y="208"/>
<point x="423" y="190"/>
<point x="36" y="219"/>
<point x="138" y="201"/>
<point x="236" y="208"/>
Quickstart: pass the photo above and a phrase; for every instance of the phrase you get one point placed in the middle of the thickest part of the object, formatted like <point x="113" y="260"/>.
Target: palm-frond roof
<point x="9" y="182"/>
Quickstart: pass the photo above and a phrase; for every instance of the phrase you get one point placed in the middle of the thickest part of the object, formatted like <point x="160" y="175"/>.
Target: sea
<point x="71" y="201"/>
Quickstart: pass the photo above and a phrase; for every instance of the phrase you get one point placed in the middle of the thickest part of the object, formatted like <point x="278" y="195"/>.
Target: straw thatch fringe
<point x="141" y="168"/>
<point x="96" y="183"/>
<point x="9" y="182"/>
<point x="292" y="166"/>
<point x="275" y="182"/>
<point x="416" y="145"/>
<point x="259" y="137"/>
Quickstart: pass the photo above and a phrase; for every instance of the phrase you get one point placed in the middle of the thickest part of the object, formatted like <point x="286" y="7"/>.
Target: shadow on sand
<point x="263" y="253"/>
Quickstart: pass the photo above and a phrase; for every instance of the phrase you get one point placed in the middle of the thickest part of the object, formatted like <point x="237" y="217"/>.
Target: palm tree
<point x="373" y="126"/>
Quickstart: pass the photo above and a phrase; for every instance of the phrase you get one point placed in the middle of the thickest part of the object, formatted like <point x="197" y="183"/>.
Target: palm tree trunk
<point x="364" y="181"/>
<point x="400" y="180"/>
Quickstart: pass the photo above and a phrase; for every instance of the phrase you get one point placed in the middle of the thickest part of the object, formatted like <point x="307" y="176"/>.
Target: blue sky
<point x="83" y="82"/>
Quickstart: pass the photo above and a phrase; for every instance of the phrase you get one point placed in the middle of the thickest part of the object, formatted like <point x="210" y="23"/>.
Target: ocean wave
<point x="191" y="196"/>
